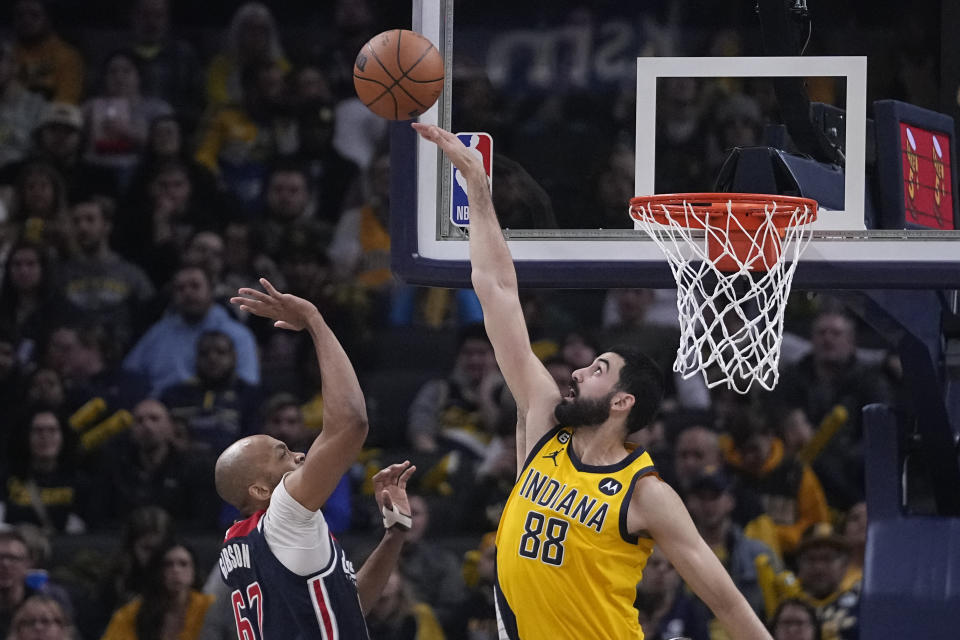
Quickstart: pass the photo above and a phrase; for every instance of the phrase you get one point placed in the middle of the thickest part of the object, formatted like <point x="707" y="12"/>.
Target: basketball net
<point x="733" y="257"/>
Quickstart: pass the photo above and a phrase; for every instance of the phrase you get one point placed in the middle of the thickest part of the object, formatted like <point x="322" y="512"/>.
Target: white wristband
<point x="395" y="517"/>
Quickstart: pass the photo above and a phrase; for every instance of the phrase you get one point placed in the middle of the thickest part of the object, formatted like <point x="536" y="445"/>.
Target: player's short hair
<point x="641" y="378"/>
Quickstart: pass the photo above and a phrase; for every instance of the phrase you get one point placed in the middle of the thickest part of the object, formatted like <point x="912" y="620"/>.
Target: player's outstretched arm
<point x="495" y="281"/>
<point x="344" y="410"/>
<point x="665" y="517"/>
<point x="390" y="489"/>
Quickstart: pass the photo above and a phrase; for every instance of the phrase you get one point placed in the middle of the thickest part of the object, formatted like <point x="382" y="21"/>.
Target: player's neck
<point x="599" y="444"/>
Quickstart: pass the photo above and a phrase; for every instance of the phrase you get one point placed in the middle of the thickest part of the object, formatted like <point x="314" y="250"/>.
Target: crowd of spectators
<point x="144" y="179"/>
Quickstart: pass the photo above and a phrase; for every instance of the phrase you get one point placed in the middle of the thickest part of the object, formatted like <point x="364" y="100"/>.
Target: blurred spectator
<point x="215" y="407"/>
<point x="252" y="39"/>
<point x="696" y="448"/>
<point x="155" y="232"/>
<point x="822" y="560"/>
<point x="794" y="619"/>
<point x="58" y="140"/>
<point x="42" y="486"/>
<point x="788" y="489"/>
<point x="331" y="174"/>
<point x="855" y="532"/>
<point x="168" y="66"/>
<point x="481" y="502"/>
<point x="168" y="142"/>
<point x="397" y="615"/>
<point x="243" y="259"/>
<point x="614" y="188"/>
<point x="310" y="87"/>
<point x="635" y="326"/>
<point x="10" y="380"/>
<point x="29" y="307"/>
<point x="98" y="284"/>
<point x="20" y="110"/>
<point x="99" y="396"/>
<point x="832" y="375"/>
<point x="289" y="206"/>
<point x="433" y="571"/>
<point x="47" y="65"/>
<point x="360" y="249"/>
<point x="665" y="610"/>
<point x="170" y="605"/>
<point x="711" y="501"/>
<point x="681" y="143"/>
<point x="118" y="118"/>
<point x="40" y="205"/>
<point x="40" y="552"/>
<point x="445" y="414"/>
<point x="795" y="430"/>
<point x="144" y="530"/>
<point x="735" y="122"/>
<point x="44" y="391"/>
<point x="166" y="354"/>
<point x="145" y="467"/>
<point x="477" y="617"/>
<point x="206" y="249"/>
<point x="359" y="132"/>
<point x="14" y="561"/>
<point x="242" y="140"/>
<point x="41" y="617"/>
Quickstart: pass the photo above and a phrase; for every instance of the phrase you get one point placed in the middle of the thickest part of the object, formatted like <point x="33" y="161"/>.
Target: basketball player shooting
<point x="288" y="573"/>
<point x="587" y="509"/>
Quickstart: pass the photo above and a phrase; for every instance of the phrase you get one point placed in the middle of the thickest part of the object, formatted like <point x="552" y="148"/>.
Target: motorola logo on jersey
<point x="610" y="486"/>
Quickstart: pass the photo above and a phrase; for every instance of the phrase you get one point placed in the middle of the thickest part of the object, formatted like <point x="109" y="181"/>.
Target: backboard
<point x="586" y="109"/>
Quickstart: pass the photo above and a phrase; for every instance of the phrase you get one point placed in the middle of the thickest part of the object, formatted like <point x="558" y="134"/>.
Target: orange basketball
<point x="398" y="74"/>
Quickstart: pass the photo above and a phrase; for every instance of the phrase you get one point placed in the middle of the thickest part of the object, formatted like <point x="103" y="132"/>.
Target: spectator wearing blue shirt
<point x="166" y="354"/>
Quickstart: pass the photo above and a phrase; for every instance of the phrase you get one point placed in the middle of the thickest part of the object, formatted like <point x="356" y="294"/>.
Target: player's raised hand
<point x="390" y="486"/>
<point x="470" y="163"/>
<point x="287" y="310"/>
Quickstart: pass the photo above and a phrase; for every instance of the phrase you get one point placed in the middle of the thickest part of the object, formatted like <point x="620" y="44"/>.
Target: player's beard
<point x="583" y="412"/>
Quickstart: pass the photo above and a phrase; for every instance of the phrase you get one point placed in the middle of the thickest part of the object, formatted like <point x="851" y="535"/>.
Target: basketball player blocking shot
<point x="587" y="508"/>
<point x="289" y="575"/>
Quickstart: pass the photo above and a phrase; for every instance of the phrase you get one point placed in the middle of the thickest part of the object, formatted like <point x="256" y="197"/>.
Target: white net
<point x="733" y="279"/>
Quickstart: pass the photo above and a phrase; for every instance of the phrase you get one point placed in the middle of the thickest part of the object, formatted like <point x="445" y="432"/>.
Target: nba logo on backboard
<point x="481" y="144"/>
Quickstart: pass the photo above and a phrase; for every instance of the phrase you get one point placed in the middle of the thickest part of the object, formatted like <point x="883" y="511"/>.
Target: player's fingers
<point x="402" y="482"/>
<point x="269" y="287"/>
<point x="254" y="307"/>
<point x="254" y="294"/>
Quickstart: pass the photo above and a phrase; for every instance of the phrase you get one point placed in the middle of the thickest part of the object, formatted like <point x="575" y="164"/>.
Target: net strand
<point x="731" y="322"/>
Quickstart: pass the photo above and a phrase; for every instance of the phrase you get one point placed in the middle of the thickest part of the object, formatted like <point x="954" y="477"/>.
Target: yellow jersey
<point x="566" y="565"/>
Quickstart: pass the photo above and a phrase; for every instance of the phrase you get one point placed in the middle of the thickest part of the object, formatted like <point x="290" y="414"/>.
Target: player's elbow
<point x="489" y="282"/>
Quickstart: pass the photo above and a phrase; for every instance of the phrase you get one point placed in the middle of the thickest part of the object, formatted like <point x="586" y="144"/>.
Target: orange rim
<point x="750" y="209"/>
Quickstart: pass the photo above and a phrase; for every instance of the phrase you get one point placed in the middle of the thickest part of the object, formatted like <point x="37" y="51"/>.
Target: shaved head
<point x="241" y="465"/>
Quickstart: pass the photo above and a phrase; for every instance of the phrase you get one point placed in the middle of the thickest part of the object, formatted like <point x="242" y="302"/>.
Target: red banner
<point x="927" y="186"/>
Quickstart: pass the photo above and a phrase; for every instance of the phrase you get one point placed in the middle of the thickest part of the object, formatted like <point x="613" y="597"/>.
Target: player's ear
<point x="259" y="491"/>
<point x="622" y="401"/>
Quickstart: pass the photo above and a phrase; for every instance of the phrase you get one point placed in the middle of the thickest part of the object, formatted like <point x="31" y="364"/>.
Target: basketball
<point x="398" y="74"/>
